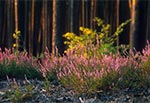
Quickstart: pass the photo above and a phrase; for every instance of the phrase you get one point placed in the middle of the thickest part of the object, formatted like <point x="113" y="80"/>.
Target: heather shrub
<point x="91" y="62"/>
<point x="145" y="65"/>
<point x="133" y="75"/>
<point x="88" y="75"/>
<point x="80" y="73"/>
<point x="49" y="63"/>
<point x="17" y="64"/>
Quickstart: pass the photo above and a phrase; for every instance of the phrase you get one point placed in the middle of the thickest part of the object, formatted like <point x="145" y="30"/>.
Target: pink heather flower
<point x="78" y="75"/>
<point x="42" y="70"/>
<point x="97" y="73"/>
<point x="146" y="51"/>
<point x="59" y="75"/>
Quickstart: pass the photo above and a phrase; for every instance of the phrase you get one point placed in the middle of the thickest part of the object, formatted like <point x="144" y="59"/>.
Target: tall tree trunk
<point x="10" y="28"/>
<point x="86" y="13"/>
<point x="49" y="25"/>
<point x="63" y="23"/>
<point x="1" y="15"/>
<point x="25" y="25"/>
<point x="44" y="25"/>
<point x="16" y="20"/>
<point x="133" y="4"/>
<point x="31" y="26"/>
<point x="91" y="18"/>
<point x="54" y="26"/>
<point x="143" y="7"/>
<point x="4" y="25"/>
<point x="8" y="21"/>
<point x="77" y="16"/>
<point x="124" y="15"/>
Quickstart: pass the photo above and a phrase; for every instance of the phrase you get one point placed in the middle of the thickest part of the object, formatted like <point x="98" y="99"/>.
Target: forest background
<point x="43" y="22"/>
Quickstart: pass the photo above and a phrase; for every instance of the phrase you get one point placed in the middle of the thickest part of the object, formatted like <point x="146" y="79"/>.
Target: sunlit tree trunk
<point x="53" y="26"/>
<point x="133" y="4"/>
<point x="16" y="20"/>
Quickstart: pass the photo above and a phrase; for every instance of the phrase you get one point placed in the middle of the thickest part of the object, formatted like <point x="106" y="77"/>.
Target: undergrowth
<point x="90" y="64"/>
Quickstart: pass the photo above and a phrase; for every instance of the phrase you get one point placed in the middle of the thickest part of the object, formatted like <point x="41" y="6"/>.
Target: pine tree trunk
<point x="31" y="26"/>
<point x="16" y="20"/>
<point x="54" y="27"/>
<point x="25" y="26"/>
<point x="133" y="4"/>
<point x="44" y="25"/>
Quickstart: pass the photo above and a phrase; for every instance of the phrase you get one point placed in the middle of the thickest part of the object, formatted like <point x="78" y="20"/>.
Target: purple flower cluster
<point x="20" y="58"/>
<point x="86" y="74"/>
<point x="78" y="71"/>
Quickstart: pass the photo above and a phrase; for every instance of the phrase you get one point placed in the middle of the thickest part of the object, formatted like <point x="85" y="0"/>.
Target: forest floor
<point x="34" y="91"/>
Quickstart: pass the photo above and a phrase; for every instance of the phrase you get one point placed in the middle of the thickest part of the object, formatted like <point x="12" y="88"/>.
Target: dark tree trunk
<point x="49" y="25"/>
<point x="124" y="15"/>
<point x="77" y="16"/>
<point x="62" y="24"/>
<point x="143" y="5"/>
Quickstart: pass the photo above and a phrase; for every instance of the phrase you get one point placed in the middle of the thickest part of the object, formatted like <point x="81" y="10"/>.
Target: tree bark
<point x="54" y="27"/>
<point x="49" y="25"/>
<point x="44" y="25"/>
<point x="25" y="25"/>
<point x="142" y="20"/>
<point x="31" y="26"/>
<point x="133" y="4"/>
<point x="16" y="20"/>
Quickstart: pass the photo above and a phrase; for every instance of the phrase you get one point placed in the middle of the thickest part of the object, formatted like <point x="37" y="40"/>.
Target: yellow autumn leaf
<point x="87" y="31"/>
<point x="14" y="45"/>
